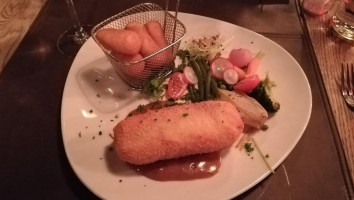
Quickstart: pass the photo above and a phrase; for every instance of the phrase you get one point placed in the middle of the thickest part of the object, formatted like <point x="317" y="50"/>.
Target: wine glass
<point x="342" y="21"/>
<point x="71" y="40"/>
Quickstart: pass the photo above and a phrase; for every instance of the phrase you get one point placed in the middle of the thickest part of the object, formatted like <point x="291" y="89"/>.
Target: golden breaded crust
<point x="177" y="131"/>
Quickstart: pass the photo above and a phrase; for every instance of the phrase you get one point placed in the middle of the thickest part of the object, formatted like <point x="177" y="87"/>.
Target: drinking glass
<point x="71" y="40"/>
<point x="342" y="21"/>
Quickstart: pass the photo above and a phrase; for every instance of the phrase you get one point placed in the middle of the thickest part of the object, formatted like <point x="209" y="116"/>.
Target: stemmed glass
<point x="343" y="21"/>
<point x="71" y="40"/>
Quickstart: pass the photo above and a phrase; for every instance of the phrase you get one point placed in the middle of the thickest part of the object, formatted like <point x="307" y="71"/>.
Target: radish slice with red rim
<point x="230" y="76"/>
<point x="218" y="67"/>
<point x="189" y="75"/>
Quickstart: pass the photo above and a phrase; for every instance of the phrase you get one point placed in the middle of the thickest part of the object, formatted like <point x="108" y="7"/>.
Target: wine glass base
<point x="342" y="30"/>
<point x="70" y="42"/>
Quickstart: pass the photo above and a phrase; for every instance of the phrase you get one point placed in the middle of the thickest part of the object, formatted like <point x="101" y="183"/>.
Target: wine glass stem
<point x="73" y="15"/>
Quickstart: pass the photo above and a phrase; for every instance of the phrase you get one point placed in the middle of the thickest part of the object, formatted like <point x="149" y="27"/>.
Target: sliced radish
<point x="218" y="67"/>
<point x="248" y="83"/>
<point x="240" y="57"/>
<point x="253" y="66"/>
<point x="240" y="72"/>
<point x="230" y="76"/>
<point x="189" y="75"/>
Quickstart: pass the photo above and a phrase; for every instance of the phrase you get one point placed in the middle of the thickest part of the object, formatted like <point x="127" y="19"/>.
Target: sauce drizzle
<point x="186" y="168"/>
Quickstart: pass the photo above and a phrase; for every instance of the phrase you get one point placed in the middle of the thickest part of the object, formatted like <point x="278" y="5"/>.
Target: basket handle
<point x="176" y="13"/>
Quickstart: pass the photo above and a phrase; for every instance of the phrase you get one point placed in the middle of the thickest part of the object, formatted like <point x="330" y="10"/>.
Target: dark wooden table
<point x="330" y="53"/>
<point x="33" y="160"/>
<point x="16" y="16"/>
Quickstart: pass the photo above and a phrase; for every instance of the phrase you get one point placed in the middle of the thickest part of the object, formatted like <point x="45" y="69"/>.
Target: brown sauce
<point x="185" y="168"/>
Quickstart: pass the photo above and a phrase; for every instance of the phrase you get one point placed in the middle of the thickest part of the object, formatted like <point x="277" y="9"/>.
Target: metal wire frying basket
<point x="137" y="73"/>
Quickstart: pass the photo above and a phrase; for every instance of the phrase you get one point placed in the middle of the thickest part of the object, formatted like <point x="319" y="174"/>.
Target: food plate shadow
<point x="115" y="165"/>
<point x="103" y="88"/>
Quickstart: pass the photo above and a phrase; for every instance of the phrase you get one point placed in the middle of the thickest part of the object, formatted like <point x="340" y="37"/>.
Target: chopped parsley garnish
<point x="248" y="147"/>
<point x="154" y="86"/>
<point x="264" y="127"/>
<point x="140" y="108"/>
<point x="130" y="114"/>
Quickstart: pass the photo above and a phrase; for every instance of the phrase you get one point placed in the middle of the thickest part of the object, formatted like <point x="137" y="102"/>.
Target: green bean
<point x="205" y="64"/>
<point x="196" y="94"/>
<point x="215" y="88"/>
<point x="202" y="68"/>
<point x="207" y="85"/>
<point x="196" y="69"/>
<point x="191" y="92"/>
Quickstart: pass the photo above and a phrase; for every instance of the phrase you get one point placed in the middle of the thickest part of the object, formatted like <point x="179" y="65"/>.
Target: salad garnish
<point x="202" y="73"/>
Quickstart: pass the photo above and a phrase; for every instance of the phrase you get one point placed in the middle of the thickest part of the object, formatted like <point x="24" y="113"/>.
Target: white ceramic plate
<point x="95" y="99"/>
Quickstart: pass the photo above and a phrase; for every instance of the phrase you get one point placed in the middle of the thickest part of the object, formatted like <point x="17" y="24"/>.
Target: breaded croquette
<point x="177" y="131"/>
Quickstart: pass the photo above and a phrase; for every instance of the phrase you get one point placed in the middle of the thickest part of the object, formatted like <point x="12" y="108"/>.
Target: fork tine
<point x="347" y="84"/>
<point x="342" y="80"/>
<point x="348" y="79"/>
<point x="352" y="78"/>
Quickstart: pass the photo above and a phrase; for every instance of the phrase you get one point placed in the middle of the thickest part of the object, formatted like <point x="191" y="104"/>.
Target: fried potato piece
<point x="149" y="46"/>
<point x="155" y="30"/>
<point x="177" y="131"/>
<point x="120" y="41"/>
